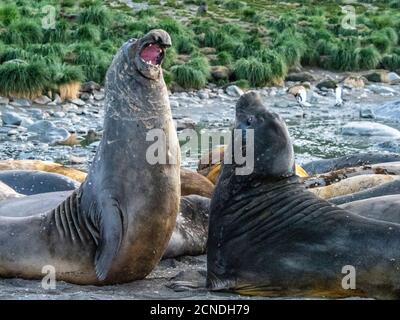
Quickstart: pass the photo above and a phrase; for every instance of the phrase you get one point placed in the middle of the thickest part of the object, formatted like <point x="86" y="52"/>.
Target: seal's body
<point x="116" y="226"/>
<point x="29" y="182"/>
<point x="269" y="236"/>
<point x="352" y="160"/>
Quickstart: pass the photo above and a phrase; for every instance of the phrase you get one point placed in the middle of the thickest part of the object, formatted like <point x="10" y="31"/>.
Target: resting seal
<point x="116" y="226"/>
<point x="386" y="189"/>
<point x="353" y="160"/>
<point x="270" y="236"/>
<point x="29" y="182"/>
<point x="191" y="182"/>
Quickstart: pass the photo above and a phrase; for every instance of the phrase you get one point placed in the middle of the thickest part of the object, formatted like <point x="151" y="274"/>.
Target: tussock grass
<point x="97" y="15"/>
<point x="254" y="71"/>
<point x="19" y="78"/>
<point x="368" y="57"/>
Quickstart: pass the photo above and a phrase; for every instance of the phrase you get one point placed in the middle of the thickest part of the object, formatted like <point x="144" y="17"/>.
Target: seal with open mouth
<point x="270" y="236"/>
<point x="116" y="226"/>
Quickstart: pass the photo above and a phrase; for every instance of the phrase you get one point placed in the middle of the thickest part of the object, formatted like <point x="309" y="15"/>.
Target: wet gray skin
<point x="386" y="189"/>
<point x="116" y="226"/>
<point x="353" y="160"/>
<point x="269" y="236"/>
<point x="29" y="182"/>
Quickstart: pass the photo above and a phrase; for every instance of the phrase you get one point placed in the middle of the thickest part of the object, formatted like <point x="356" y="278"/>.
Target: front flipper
<point x="111" y="233"/>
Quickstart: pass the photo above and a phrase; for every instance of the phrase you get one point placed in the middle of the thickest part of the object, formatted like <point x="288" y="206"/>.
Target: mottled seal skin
<point x="190" y="233"/>
<point x="46" y="166"/>
<point x="353" y="160"/>
<point x="270" y="236"/>
<point x="386" y="208"/>
<point x="116" y="226"/>
<point x="29" y="182"/>
<point x="386" y="189"/>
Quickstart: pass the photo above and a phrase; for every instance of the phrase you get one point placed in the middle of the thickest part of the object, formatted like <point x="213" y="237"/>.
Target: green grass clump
<point x="183" y="44"/>
<point x="381" y="41"/>
<point x="10" y="53"/>
<point x="23" y="32"/>
<point x="188" y="77"/>
<point x="88" y="32"/>
<point x="22" y="79"/>
<point x="368" y="57"/>
<point x="391" y="62"/>
<point x="98" y="15"/>
<point x="8" y="13"/>
<point x="344" y="57"/>
<point x="47" y="49"/>
<point x="68" y="73"/>
<point x="234" y="5"/>
<point x="201" y="64"/>
<point x="275" y="61"/>
<point x="224" y="58"/>
<point x="254" y="71"/>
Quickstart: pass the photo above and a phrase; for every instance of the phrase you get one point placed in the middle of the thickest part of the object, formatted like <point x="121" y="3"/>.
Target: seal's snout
<point x="149" y="52"/>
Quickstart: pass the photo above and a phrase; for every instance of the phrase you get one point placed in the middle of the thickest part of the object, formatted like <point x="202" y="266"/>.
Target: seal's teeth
<point x="150" y="45"/>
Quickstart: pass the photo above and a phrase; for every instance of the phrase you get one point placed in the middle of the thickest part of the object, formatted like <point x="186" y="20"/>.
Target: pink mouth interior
<point x="151" y="53"/>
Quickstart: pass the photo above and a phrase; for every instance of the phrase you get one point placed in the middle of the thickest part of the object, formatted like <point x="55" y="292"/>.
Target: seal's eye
<point x="250" y="120"/>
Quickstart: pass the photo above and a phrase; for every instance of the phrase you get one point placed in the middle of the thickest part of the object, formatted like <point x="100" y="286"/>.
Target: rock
<point x="393" y="78"/>
<point x="76" y="160"/>
<point x="368" y="128"/>
<point x="383" y="76"/>
<point x="184" y="123"/>
<point x="390" y="111"/>
<point x="174" y="104"/>
<point x="23" y="103"/>
<point x="12" y="132"/>
<point x="352" y="82"/>
<point x="233" y="91"/>
<point x="59" y="114"/>
<point x="202" y="94"/>
<point x="98" y="95"/>
<point x="4" y="100"/>
<point x="220" y="72"/>
<point x="90" y="86"/>
<point x="300" y="77"/>
<point x="327" y="84"/>
<point x="382" y="90"/>
<point x="57" y="100"/>
<point x="47" y="132"/>
<point x="78" y="102"/>
<point x="36" y="113"/>
<point x="26" y="122"/>
<point x="11" y="118"/>
<point x="85" y="96"/>
<point x="69" y="107"/>
<point x="42" y="100"/>
<point x="366" y="113"/>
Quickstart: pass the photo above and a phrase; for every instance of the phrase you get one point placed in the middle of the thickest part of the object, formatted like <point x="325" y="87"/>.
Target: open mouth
<point x="152" y="54"/>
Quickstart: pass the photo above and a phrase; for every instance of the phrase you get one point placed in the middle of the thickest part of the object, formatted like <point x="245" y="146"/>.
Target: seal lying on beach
<point x="116" y="226"/>
<point x="29" y="182"/>
<point x="352" y="160"/>
<point x="269" y="236"/>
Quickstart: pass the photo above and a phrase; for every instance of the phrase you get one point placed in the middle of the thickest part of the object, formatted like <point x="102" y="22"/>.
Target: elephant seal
<point x="46" y="166"/>
<point x="190" y="233"/>
<point x="210" y="165"/>
<point x="353" y="185"/>
<point x="270" y="236"/>
<point x="29" y="182"/>
<point x="25" y="173"/>
<point x="116" y="226"/>
<point x="353" y="160"/>
<point x="386" y="208"/>
<point x="385" y="189"/>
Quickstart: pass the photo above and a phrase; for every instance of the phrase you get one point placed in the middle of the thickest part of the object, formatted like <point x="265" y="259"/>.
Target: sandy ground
<point x="165" y="282"/>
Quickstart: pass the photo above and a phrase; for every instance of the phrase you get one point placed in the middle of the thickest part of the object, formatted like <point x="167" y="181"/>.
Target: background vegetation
<point x="251" y="42"/>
